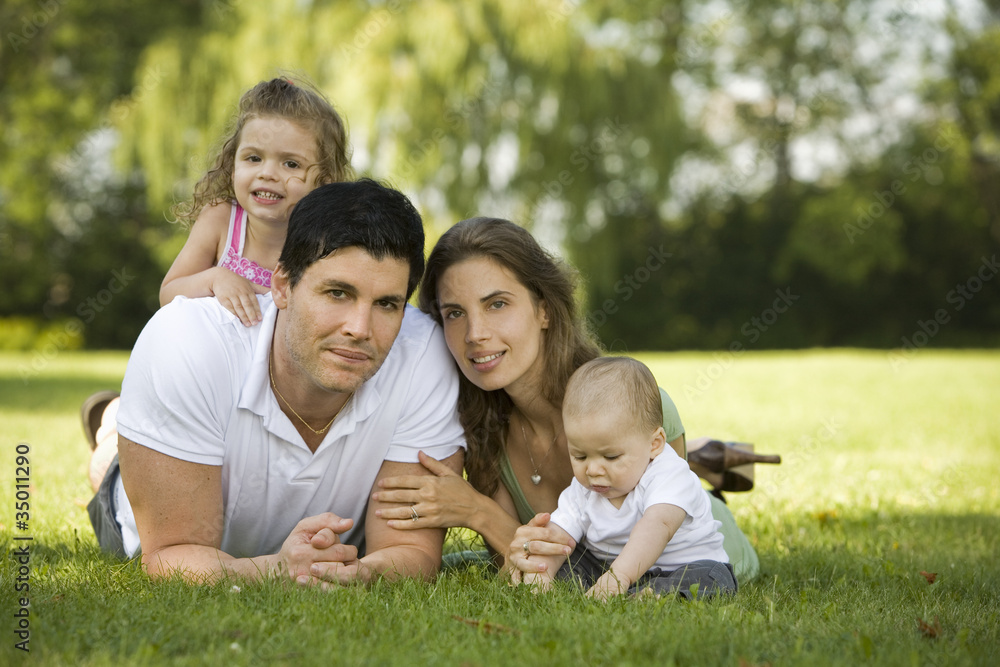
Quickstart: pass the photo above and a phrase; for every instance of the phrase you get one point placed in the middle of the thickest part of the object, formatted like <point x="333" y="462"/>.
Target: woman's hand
<point x="444" y="500"/>
<point x="536" y="538"/>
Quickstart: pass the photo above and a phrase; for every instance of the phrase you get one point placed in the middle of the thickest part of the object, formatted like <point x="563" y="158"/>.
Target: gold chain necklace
<point x="536" y="479"/>
<point x="270" y="372"/>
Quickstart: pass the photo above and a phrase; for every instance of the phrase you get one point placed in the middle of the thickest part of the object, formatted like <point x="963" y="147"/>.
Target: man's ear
<point x="280" y="287"/>
<point x="658" y="442"/>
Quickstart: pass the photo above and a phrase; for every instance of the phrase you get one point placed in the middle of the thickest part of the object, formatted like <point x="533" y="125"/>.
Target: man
<point x="254" y="451"/>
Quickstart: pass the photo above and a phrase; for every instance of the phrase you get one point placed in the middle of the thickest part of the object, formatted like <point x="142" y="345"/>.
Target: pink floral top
<point x="233" y="259"/>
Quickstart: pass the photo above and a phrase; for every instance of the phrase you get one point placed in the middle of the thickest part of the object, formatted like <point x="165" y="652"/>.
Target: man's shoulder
<point x="418" y="327"/>
<point x="196" y="327"/>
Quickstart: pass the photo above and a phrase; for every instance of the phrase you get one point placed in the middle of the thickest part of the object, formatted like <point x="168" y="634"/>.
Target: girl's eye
<point x="291" y="164"/>
<point x="252" y="158"/>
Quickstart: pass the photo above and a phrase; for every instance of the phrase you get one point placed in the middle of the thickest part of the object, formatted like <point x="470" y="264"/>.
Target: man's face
<point x="339" y="322"/>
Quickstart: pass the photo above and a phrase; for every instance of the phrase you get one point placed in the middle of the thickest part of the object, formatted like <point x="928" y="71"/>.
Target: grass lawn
<point x="890" y="471"/>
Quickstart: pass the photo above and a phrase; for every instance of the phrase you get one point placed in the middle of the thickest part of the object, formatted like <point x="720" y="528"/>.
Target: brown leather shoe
<point x="91" y="413"/>
<point x="727" y="466"/>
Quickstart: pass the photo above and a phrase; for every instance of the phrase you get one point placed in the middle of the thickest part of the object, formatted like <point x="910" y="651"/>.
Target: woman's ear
<point x="543" y="313"/>
<point x="280" y="287"/>
<point x="658" y="443"/>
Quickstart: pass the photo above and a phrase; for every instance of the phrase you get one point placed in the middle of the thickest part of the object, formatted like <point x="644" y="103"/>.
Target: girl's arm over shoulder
<point x="191" y="273"/>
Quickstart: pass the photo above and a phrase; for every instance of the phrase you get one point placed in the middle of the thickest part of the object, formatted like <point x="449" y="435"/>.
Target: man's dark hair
<point x="362" y="213"/>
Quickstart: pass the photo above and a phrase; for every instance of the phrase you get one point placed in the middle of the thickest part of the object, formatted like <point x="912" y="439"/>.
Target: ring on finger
<point x="527" y="548"/>
<point x="413" y="513"/>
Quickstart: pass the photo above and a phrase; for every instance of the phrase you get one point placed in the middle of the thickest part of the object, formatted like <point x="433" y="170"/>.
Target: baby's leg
<point x="712" y="578"/>
<point x="583" y="567"/>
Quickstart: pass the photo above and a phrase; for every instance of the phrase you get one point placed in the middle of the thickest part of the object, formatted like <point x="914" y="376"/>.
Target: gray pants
<point x="711" y="576"/>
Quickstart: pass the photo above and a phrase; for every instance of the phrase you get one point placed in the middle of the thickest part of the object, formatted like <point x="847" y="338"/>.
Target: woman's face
<point x="492" y="324"/>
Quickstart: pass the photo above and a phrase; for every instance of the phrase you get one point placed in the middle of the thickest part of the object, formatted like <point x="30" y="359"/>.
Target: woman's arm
<point x="444" y="500"/>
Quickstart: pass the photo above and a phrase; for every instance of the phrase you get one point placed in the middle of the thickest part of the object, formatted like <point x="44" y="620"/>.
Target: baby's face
<point x="609" y="453"/>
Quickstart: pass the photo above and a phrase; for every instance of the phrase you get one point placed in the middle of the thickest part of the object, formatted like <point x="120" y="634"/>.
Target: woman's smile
<point x="492" y="324"/>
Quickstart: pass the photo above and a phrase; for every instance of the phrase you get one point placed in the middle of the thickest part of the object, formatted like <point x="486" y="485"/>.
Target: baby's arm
<point x="194" y="272"/>
<point x="543" y="580"/>
<point x="646" y="542"/>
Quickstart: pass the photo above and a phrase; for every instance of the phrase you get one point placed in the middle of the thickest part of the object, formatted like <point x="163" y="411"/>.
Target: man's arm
<point x="646" y="542"/>
<point x="393" y="553"/>
<point x="179" y="514"/>
<point x="404" y="553"/>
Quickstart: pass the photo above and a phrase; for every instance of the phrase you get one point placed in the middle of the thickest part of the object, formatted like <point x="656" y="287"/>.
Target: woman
<point x="510" y="321"/>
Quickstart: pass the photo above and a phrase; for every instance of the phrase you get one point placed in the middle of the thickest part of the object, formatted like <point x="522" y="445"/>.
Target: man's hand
<point x="313" y="552"/>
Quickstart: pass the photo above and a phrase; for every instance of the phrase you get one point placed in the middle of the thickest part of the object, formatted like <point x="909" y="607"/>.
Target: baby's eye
<point x="612" y="457"/>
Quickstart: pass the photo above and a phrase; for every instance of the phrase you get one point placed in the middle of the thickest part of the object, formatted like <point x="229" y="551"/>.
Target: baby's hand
<point x="539" y="581"/>
<point x="238" y="295"/>
<point x="607" y="587"/>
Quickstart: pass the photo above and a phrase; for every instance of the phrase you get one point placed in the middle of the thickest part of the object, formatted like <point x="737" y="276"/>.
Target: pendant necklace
<point x="270" y="371"/>
<point x="536" y="479"/>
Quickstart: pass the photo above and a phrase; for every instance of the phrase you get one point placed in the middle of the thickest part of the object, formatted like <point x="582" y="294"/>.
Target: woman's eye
<point x="498" y="304"/>
<point x="452" y="314"/>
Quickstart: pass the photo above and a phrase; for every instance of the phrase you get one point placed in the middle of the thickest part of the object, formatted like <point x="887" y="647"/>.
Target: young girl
<point x="286" y="140"/>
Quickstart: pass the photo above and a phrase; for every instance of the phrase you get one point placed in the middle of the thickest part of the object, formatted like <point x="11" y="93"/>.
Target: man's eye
<point x="336" y="293"/>
<point x="387" y="305"/>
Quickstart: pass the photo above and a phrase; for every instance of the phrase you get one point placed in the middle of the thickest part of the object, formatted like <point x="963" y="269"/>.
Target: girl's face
<point x="275" y="168"/>
<point x="492" y="324"/>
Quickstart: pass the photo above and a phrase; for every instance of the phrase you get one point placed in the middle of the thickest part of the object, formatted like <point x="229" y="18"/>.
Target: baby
<point x="644" y="519"/>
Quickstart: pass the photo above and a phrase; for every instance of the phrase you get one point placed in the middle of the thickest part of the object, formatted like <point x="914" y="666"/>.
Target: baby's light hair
<point x="619" y="384"/>
<point x="297" y="101"/>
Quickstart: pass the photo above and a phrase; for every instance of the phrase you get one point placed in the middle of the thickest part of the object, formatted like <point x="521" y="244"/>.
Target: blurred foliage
<point x="724" y="175"/>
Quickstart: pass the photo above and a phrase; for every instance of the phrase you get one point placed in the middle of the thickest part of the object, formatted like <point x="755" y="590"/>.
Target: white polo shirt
<point x="197" y="388"/>
<point x="668" y="479"/>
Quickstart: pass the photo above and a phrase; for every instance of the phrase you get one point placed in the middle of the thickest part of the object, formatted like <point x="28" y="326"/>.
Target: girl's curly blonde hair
<point x="296" y="101"/>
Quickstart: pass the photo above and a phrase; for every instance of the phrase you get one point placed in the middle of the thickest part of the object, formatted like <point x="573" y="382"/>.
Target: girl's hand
<point x="541" y="540"/>
<point x="238" y="295"/>
<point x="444" y="500"/>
